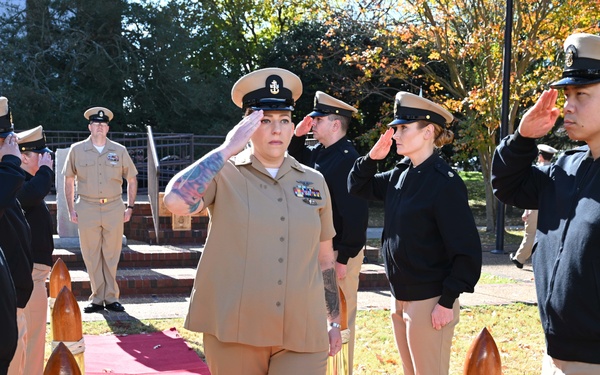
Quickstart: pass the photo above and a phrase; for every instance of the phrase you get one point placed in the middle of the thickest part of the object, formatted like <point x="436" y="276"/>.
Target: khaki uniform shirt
<point x="99" y="175"/>
<point x="259" y="280"/>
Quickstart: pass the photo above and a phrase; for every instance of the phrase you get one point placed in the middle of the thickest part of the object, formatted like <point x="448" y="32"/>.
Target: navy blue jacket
<point x="431" y="246"/>
<point x="31" y="196"/>
<point x="350" y="214"/>
<point x="8" y="316"/>
<point x="15" y="237"/>
<point x="566" y="260"/>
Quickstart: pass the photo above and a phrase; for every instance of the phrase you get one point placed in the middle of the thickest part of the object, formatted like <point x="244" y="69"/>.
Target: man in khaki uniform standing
<point x="99" y="165"/>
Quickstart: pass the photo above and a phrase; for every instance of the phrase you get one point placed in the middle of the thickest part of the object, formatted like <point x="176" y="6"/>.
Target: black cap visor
<point x="574" y="81"/>
<point x="271" y="104"/>
<point x="407" y="115"/>
<point x="314" y="114"/>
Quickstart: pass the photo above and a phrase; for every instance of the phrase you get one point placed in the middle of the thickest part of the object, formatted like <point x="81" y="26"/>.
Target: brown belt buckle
<point x="103" y="200"/>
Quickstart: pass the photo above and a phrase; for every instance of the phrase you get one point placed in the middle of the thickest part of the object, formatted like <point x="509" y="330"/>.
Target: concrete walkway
<point x="516" y="286"/>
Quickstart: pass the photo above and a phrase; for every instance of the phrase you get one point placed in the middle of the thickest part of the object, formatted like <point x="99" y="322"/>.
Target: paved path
<point x="520" y="288"/>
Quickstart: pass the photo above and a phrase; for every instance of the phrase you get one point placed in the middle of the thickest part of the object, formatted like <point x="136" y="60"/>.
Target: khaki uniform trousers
<point x="553" y="366"/>
<point x="225" y="358"/>
<point x="524" y="251"/>
<point x="349" y="286"/>
<point x="18" y="362"/>
<point x="36" y="314"/>
<point x="423" y="349"/>
<point x="101" y="239"/>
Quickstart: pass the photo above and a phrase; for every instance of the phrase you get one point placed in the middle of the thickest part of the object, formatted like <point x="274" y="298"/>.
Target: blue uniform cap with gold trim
<point x="33" y="140"/>
<point x="326" y="105"/>
<point x="582" y="61"/>
<point x="6" y="125"/>
<point x="409" y="108"/>
<point x="269" y="89"/>
<point x="98" y="114"/>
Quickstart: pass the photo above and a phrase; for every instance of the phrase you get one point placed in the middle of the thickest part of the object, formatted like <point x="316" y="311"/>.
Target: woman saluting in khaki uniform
<point x="258" y="294"/>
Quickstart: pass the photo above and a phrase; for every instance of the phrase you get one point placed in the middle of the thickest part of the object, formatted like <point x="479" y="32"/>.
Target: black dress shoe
<point x="515" y="261"/>
<point x="115" y="306"/>
<point x="92" y="308"/>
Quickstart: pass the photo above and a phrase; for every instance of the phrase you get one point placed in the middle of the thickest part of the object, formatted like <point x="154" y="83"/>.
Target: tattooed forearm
<point x="332" y="298"/>
<point x="191" y="185"/>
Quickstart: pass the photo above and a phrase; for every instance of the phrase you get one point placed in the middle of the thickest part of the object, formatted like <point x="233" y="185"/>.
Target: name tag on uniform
<point x="112" y="158"/>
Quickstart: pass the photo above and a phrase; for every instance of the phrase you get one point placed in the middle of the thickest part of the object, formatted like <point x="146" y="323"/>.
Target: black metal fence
<point x="174" y="151"/>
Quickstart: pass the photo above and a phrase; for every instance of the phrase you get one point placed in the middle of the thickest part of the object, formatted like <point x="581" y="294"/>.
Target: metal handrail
<point x="175" y="151"/>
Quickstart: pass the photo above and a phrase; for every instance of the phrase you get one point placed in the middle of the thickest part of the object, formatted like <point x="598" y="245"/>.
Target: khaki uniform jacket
<point x="259" y="281"/>
<point x="99" y="175"/>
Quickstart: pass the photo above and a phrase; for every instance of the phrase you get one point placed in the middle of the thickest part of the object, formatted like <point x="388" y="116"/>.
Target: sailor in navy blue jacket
<point x="15" y="242"/>
<point x="431" y="247"/>
<point x="15" y="235"/>
<point x="566" y="258"/>
<point x="8" y="316"/>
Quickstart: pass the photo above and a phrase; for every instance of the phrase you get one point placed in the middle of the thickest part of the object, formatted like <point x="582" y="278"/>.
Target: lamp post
<point x="504" y="121"/>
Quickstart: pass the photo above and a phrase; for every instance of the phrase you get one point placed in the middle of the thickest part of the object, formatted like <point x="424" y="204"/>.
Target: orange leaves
<point x="435" y="55"/>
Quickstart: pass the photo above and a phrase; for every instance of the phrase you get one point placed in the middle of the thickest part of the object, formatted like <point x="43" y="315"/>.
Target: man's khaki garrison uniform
<point x="257" y="287"/>
<point x="100" y="209"/>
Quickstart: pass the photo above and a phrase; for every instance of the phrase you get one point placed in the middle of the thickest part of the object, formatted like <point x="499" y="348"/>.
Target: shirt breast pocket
<point x="86" y="168"/>
<point x="114" y="170"/>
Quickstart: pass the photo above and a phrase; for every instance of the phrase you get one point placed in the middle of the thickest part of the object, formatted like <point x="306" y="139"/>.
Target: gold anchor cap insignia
<point x="570" y="55"/>
<point x="274" y="86"/>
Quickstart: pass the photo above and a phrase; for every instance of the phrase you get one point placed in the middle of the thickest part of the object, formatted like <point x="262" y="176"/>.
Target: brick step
<point x="166" y="281"/>
<point x="141" y="227"/>
<point x="373" y="254"/>
<point x="140" y="281"/>
<point x="139" y="256"/>
<point x="169" y="236"/>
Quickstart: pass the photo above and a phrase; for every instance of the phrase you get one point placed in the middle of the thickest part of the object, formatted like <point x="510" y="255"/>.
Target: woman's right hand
<point x="239" y="136"/>
<point x="382" y="147"/>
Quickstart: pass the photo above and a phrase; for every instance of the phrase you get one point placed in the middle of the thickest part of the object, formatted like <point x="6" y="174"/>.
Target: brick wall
<point x="141" y="227"/>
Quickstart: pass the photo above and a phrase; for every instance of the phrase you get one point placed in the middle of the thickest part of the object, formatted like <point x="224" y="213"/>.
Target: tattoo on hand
<point x="332" y="298"/>
<point x="191" y="186"/>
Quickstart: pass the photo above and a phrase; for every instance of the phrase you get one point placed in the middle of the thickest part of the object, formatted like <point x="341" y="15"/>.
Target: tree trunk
<point x="485" y="158"/>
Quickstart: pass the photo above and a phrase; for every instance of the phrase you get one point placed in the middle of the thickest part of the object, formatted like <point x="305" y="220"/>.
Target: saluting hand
<point x="10" y="146"/>
<point x="304" y="126"/>
<point x="540" y="118"/>
<point x="238" y="137"/>
<point x="382" y="147"/>
<point x="45" y="159"/>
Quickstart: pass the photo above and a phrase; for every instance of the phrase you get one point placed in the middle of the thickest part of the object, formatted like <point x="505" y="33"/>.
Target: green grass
<point x="516" y="330"/>
<point x="487" y="278"/>
<point x="475" y="186"/>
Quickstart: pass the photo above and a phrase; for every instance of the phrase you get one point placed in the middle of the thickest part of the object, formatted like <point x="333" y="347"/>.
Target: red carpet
<point x="159" y="352"/>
